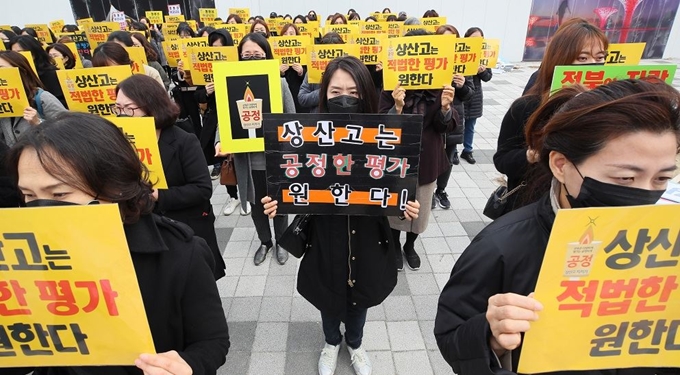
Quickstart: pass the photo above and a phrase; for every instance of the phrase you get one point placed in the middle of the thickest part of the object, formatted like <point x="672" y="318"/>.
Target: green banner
<point x="592" y="76"/>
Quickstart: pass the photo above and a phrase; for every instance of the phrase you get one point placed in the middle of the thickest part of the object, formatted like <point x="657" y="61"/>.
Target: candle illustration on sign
<point x="250" y="111"/>
<point x="580" y="255"/>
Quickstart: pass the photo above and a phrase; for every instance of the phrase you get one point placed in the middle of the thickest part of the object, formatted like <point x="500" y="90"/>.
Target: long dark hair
<point x="151" y="54"/>
<point x="121" y="36"/>
<point x="234" y="17"/>
<point x="362" y="78"/>
<point x="223" y="35"/>
<point x="66" y="52"/>
<point x="473" y="30"/>
<point x="578" y="122"/>
<point x="90" y="154"/>
<point x="29" y="79"/>
<point x="41" y="59"/>
<point x="258" y="39"/>
<point x="151" y="98"/>
<point x="184" y="27"/>
<point x="109" y="52"/>
<point x="259" y="22"/>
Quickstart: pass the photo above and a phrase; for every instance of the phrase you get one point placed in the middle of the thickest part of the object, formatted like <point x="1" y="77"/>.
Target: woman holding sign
<point x="44" y="64"/>
<point x="42" y="105"/>
<point x="344" y="291"/>
<point x="81" y="159"/>
<point x="612" y="146"/>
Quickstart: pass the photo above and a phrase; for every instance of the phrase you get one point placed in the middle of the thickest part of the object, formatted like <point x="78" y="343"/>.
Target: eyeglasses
<point x="252" y="56"/>
<point x="127" y="111"/>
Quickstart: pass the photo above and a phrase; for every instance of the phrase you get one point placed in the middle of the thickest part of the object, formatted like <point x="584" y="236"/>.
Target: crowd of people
<point x="560" y="151"/>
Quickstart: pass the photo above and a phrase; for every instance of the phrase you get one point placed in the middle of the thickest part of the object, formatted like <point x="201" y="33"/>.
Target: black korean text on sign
<point x="341" y="163"/>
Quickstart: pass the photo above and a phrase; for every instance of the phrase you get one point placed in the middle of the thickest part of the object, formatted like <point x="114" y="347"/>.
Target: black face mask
<point x="594" y="193"/>
<point x="52" y="202"/>
<point x="343" y="104"/>
<point x="247" y="58"/>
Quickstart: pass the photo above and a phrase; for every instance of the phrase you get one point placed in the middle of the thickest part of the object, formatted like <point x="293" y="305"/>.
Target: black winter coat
<point x="180" y="297"/>
<point x="505" y="257"/>
<point x="294" y="82"/>
<point x="474" y="106"/>
<point x="461" y="96"/>
<point x="9" y="193"/>
<point x="349" y="259"/>
<point x="187" y="198"/>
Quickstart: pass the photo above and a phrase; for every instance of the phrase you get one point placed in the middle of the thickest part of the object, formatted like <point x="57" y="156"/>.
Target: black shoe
<point x="400" y="262"/>
<point x="215" y="174"/>
<point x="468" y="157"/>
<point x="454" y="158"/>
<point x="443" y="198"/>
<point x="435" y="200"/>
<point x="281" y="255"/>
<point x="261" y="254"/>
<point x="412" y="258"/>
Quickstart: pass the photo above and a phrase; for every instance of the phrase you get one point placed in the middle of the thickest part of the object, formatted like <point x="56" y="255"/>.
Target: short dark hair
<point x="371" y="18"/>
<point x="338" y="16"/>
<point x="121" y="36"/>
<point x="258" y="39"/>
<point x="259" y="22"/>
<point x="301" y="18"/>
<point x="332" y="38"/>
<point x="444" y="28"/>
<point x="205" y="29"/>
<point x="109" y="52"/>
<point x="430" y="14"/>
<point x="90" y="154"/>
<point x="362" y="78"/>
<point x="473" y="30"/>
<point x="41" y="59"/>
<point x="392" y="18"/>
<point x="66" y="52"/>
<point x="288" y="26"/>
<point x="151" y="54"/>
<point x="69" y="29"/>
<point x="184" y="27"/>
<point x="151" y="98"/>
<point x="234" y="17"/>
<point x="354" y="17"/>
<point x="223" y="35"/>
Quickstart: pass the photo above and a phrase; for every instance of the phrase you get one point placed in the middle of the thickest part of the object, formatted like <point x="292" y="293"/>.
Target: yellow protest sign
<point x="64" y="304"/>
<point x="138" y="58"/>
<point x="2" y="46"/>
<point x="6" y="27"/>
<point x="172" y="52"/>
<point x="371" y="47"/>
<point x="490" y="51"/>
<point x="174" y="9"/>
<point x="243" y="13"/>
<point x="154" y="16"/>
<point x="357" y="23"/>
<point x="29" y="57"/>
<point x="43" y="32"/>
<point x="84" y="21"/>
<point x="185" y="44"/>
<point x="98" y="32"/>
<point x="394" y="29"/>
<point x="237" y="31"/>
<point x="321" y="54"/>
<point x="341" y="29"/>
<point x="207" y="14"/>
<point x="310" y="28"/>
<point x="74" y="49"/>
<point x="13" y="98"/>
<point x="609" y="283"/>
<point x="92" y="90"/>
<point x="170" y="31"/>
<point x="275" y="25"/>
<point x="59" y="62"/>
<point x="419" y="62"/>
<point x="176" y="18"/>
<point x="57" y="26"/>
<point x="257" y="85"/>
<point x="202" y="59"/>
<point x="467" y="56"/>
<point x="375" y="27"/>
<point x="192" y="24"/>
<point x="382" y="17"/>
<point x="291" y="49"/>
<point x="433" y="21"/>
<point x="406" y="28"/>
<point x="141" y="132"/>
<point x="625" y="53"/>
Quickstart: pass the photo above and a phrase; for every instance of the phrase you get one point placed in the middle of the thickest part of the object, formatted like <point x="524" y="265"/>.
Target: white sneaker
<point x="231" y="206"/>
<point x="360" y="361"/>
<point x="246" y="212"/>
<point x="328" y="359"/>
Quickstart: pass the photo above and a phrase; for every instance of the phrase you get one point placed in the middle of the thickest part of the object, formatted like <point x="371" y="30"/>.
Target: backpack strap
<point x="38" y="103"/>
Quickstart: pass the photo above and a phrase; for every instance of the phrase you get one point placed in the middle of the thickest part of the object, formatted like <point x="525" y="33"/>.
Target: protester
<point x="80" y="159"/>
<point x="205" y="31"/>
<point x="185" y="31"/>
<point x="113" y="54"/>
<point x="44" y="64"/>
<point x="6" y="36"/>
<point x="62" y="52"/>
<point x="233" y="19"/>
<point x="250" y="167"/>
<point x="187" y="198"/>
<point x="338" y="19"/>
<point x="260" y="27"/>
<point x="576" y="42"/>
<point x="308" y="97"/>
<point x="9" y="195"/>
<point x="152" y="57"/>
<point x="156" y="40"/>
<point x="42" y="104"/>
<point x="439" y="118"/>
<point x="299" y="19"/>
<point x="294" y="74"/>
<point x="611" y="146"/>
<point x="324" y="270"/>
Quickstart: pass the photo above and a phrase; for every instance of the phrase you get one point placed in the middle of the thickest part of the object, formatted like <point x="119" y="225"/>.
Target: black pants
<point x="232" y="190"/>
<point x="443" y="179"/>
<point x="354" y="327"/>
<point x="259" y="218"/>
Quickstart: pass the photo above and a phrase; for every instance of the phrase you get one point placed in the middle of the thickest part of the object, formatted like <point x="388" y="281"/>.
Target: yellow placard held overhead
<point x="310" y="28"/>
<point x="433" y="21"/>
<point x="290" y="49"/>
<point x="237" y="31"/>
<point x="202" y="59"/>
<point x="186" y="43"/>
<point x="207" y="14"/>
<point x="375" y="27"/>
<point x="322" y="54"/>
<point x="394" y="29"/>
<point x="625" y="53"/>
<point x="170" y="31"/>
<point x="341" y="29"/>
<point x="92" y="90"/>
<point x="141" y="132"/>
<point x="13" y="98"/>
<point x="419" y="62"/>
<point x="172" y="52"/>
<point x="84" y="21"/>
<point x="43" y="32"/>
<point x="490" y="51"/>
<point x="176" y="18"/>
<point x="29" y="57"/>
<point x="467" y="55"/>
<point x="138" y="58"/>
<point x="63" y="303"/>
<point x="370" y="51"/>
<point x="98" y="32"/>
<point x="154" y="16"/>
<point x="243" y="13"/>
<point x="610" y="284"/>
<point x="57" y="26"/>
<point x="244" y="91"/>
<point x="429" y="28"/>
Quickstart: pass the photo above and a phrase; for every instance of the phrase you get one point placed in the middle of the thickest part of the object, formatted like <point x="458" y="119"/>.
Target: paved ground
<point x="276" y="331"/>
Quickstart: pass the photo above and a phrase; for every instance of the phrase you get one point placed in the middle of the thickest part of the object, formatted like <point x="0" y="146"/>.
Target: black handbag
<point x="497" y="204"/>
<point x="294" y="239"/>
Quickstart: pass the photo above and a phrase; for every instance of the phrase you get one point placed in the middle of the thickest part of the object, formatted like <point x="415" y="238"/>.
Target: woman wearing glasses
<point x="187" y="198"/>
